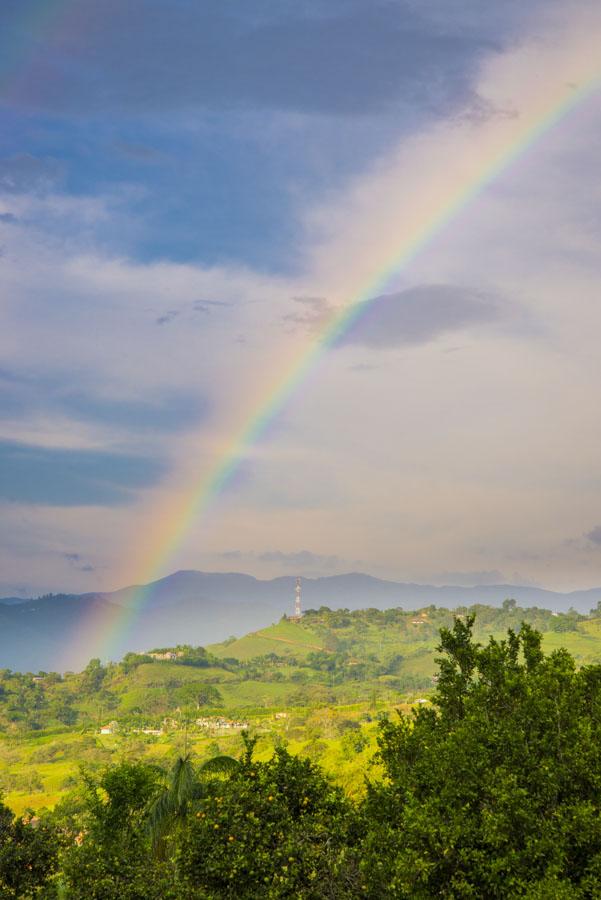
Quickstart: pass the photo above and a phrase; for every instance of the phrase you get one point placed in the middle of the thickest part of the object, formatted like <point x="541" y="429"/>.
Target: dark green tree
<point x="272" y="829"/>
<point x="112" y="859"/>
<point x="495" y="791"/>
<point x="184" y="785"/>
<point x="92" y="677"/>
<point x="28" y="857"/>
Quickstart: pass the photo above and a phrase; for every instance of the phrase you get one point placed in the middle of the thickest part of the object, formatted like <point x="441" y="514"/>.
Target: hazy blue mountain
<point x="354" y="591"/>
<point x="59" y="631"/>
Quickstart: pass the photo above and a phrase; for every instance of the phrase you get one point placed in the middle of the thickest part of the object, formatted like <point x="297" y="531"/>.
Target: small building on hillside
<point x="111" y="728"/>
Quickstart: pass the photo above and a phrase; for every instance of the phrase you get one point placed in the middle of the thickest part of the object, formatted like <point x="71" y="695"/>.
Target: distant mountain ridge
<point x="61" y="631"/>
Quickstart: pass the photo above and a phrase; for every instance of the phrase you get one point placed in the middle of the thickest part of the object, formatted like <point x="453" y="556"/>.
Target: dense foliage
<point x="28" y="855"/>
<point x="493" y="791"/>
<point x="497" y="792"/>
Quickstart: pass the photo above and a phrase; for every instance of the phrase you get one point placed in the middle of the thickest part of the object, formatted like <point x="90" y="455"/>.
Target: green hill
<point x="318" y="685"/>
<point x="288" y="639"/>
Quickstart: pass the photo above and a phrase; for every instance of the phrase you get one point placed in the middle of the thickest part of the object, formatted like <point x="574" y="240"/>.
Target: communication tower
<point x="297" y="600"/>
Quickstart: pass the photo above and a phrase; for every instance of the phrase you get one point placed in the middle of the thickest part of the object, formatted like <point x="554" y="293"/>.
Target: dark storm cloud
<point x="65" y="477"/>
<point x="340" y="56"/>
<point x="419" y="314"/>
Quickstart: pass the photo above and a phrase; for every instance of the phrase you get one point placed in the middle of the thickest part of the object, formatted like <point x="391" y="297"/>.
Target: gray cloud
<point x="78" y="562"/>
<point x="470" y="579"/>
<point x="23" y="173"/>
<point x="300" y="559"/>
<point x="52" y="476"/>
<point x="204" y="306"/>
<point x="310" y="313"/>
<point x="8" y="218"/>
<point x="24" y="393"/>
<point x="594" y="535"/>
<point x="420" y="314"/>
<point x="174" y="411"/>
<point x="169" y="316"/>
<point x="362" y="367"/>
<point x="326" y="56"/>
<point x="199" y="306"/>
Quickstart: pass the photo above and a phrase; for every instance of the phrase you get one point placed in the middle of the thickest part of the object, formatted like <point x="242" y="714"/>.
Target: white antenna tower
<point x="297" y="599"/>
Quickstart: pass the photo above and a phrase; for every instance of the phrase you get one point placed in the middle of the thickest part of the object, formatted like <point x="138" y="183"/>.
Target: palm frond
<point x="222" y="765"/>
<point x="172" y="802"/>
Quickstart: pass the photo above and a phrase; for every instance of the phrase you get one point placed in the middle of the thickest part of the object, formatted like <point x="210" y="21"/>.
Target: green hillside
<point x="318" y="685"/>
<point x="286" y="639"/>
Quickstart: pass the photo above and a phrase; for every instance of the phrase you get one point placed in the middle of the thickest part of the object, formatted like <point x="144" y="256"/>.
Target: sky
<point x="189" y="192"/>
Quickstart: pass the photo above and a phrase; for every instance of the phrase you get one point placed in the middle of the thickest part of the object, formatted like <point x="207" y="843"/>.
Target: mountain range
<point x="62" y="631"/>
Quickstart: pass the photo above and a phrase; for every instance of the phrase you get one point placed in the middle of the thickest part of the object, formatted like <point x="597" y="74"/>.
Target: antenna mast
<point x="297" y="599"/>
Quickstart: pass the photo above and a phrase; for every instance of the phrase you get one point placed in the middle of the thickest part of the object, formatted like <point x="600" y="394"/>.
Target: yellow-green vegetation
<point x="490" y="789"/>
<point x="286" y="638"/>
<point x="317" y="686"/>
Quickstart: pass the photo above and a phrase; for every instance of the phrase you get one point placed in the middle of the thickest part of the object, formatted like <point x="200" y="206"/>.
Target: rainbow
<point x="203" y="493"/>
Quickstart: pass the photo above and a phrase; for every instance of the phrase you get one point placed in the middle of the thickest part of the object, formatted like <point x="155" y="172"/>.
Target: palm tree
<point x="185" y="784"/>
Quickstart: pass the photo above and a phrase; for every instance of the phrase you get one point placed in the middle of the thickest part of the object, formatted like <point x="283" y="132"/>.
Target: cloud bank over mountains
<point x="155" y="297"/>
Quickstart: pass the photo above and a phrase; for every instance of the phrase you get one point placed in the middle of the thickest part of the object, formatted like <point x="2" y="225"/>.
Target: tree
<point x="184" y="784"/>
<point x="494" y="791"/>
<point x="272" y="829"/>
<point x="198" y="695"/>
<point x="28" y="856"/>
<point x="112" y="859"/>
<point x="92" y="677"/>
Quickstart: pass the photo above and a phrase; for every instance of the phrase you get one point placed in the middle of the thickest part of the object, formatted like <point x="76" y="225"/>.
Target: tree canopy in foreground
<point x="494" y="791"/>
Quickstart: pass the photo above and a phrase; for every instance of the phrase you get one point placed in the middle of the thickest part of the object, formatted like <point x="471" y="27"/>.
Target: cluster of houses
<point x="168" y="654"/>
<point x="219" y="723"/>
<point x="210" y="723"/>
<point x="113" y="728"/>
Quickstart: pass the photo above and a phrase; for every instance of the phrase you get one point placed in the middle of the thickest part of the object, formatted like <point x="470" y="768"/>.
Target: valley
<point x="318" y="687"/>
